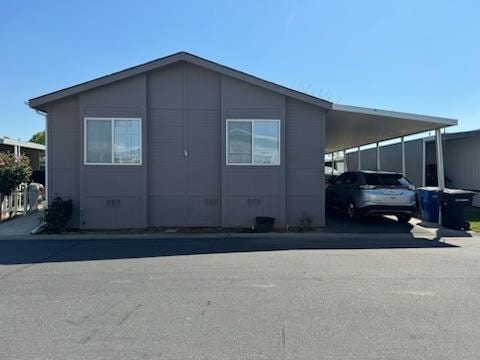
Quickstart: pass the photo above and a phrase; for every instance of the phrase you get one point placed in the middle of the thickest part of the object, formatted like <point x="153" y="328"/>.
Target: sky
<point x="419" y="56"/>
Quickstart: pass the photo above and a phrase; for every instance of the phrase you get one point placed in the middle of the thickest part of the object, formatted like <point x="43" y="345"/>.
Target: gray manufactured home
<point x="183" y="141"/>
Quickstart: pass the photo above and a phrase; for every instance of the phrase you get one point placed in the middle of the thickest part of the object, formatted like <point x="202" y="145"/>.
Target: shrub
<point x="306" y="222"/>
<point x="58" y="215"/>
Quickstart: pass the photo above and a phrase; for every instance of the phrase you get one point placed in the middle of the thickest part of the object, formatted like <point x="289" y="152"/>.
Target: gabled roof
<point x="38" y="102"/>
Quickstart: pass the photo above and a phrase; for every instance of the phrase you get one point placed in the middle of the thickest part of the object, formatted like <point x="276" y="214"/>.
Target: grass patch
<point x="473" y="217"/>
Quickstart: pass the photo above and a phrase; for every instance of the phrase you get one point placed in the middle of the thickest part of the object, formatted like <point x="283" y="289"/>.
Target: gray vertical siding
<point x="461" y="161"/>
<point x="184" y="107"/>
<point x="305" y="146"/>
<point x="251" y="191"/>
<point x="99" y="184"/>
<point x="414" y="161"/>
<point x="183" y="104"/>
<point x="64" y="153"/>
<point x="391" y="159"/>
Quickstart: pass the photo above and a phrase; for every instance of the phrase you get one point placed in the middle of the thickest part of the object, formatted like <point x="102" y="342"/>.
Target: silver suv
<point x="372" y="193"/>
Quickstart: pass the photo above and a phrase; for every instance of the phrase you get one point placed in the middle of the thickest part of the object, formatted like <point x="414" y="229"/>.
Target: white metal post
<point x="440" y="169"/>
<point x="378" y="156"/>
<point x="333" y="163"/>
<point x="424" y="162"/>
<point x="440" y="165"/>
<point x="359" y="159"/>
<point x="404" y="169"/>
<point x="46" y="162"/>
<point x="345" y="167"/>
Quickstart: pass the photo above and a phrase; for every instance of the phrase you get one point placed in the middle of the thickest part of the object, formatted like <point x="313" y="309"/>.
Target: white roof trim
<point x="23" y="144"/>
<point x="395" y="114"/>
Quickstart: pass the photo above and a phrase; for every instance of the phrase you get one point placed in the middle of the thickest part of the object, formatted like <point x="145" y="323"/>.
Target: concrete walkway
<point x="20" y="225"/>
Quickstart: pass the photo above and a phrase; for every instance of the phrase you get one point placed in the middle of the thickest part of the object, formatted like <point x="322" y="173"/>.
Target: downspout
<point x="44" y="114"/>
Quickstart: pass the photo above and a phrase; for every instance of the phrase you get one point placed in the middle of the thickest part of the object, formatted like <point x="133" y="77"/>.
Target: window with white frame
<point x="253" y="142"/>
<point x="113" y="141"/>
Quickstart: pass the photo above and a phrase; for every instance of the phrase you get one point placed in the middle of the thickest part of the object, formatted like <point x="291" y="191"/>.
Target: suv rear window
<point x="386" y="180"/>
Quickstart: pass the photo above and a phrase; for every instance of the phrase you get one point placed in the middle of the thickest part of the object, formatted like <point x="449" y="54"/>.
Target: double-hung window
<point x="115" y="141"/>
<point x="253" y="142"/>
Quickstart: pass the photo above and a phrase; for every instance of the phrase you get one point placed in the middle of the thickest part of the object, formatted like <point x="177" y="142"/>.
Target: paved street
<point x="337" y="296"/>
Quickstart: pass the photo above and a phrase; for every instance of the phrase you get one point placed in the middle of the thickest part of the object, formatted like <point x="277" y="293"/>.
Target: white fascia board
<point x="23" y="144"/>
<point x="441" y="121"/>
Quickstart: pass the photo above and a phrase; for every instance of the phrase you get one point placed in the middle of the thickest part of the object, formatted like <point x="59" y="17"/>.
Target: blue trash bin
<point x="429" y="203"/>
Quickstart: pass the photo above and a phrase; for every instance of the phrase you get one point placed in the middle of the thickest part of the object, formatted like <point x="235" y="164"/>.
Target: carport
<point x="349" y="127"/>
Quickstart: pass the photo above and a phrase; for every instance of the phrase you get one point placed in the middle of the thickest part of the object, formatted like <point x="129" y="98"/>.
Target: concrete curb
<point x="192" y="236"/>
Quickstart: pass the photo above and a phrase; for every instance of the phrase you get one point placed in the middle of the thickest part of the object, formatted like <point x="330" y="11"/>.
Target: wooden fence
<point x="21" y="202"/>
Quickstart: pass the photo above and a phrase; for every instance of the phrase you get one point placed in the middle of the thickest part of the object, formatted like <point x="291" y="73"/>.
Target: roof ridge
<point x="194" y="59"/>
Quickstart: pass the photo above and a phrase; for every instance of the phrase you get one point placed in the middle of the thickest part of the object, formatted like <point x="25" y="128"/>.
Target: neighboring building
<point x="461" y="153"/>
<point x="35" y="152"/>
<point x="183" y="141"/>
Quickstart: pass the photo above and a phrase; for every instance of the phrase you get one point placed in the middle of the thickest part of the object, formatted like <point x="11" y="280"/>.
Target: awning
<point x="350" y="126"/>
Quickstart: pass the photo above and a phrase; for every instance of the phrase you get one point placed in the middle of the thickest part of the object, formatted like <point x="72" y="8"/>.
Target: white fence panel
<point x="21" y="202"/>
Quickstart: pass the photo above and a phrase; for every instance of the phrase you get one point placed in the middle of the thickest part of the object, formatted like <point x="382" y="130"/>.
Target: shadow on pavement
<point x="338" y="223"/>
<point x="39" y="251"/>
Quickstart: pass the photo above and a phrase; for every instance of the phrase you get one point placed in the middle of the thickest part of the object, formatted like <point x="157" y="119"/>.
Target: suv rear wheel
<point x="404" y="218"/>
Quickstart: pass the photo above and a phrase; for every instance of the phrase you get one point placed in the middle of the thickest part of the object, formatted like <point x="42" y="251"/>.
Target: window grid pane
<point x="126" y="142"/>
<point x="266" y="140"/>
<point x="99" y="142"/>
<point x="240" y="142"/>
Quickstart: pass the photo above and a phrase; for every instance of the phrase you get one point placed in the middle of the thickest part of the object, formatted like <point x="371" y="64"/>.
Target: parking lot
<point x="311" y="296"/>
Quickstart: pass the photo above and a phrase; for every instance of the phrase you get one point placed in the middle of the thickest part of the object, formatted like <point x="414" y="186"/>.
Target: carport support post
<point x="333" y="163"/>
<point x="359" y="154"/>
<point x="378" y="156"/>
<point x="345" y="167"/>
<point x="404" y="170"/>
<point x="440" y="168"/>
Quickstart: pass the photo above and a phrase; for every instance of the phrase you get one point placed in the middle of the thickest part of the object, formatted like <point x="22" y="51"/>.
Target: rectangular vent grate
<point x="254" y="202"/>
<point x="211" y="202"/>
<point x="113" y="203"/>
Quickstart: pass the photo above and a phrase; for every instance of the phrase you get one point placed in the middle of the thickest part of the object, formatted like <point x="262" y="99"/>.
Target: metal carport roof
<point x="351" y="126"/>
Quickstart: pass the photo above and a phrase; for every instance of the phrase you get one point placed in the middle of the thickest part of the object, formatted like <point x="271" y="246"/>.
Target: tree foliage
<point x="38" y="137"/>
<point x="14" y="170"/>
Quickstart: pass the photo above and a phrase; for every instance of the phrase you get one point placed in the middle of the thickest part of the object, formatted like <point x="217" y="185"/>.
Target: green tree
<point x="14" y="170"/>
<point x="38" y="137"/>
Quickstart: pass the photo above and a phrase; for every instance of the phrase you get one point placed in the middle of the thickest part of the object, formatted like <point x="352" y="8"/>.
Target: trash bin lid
<point x="429" y="188"/>
<point x="458" y="192"/>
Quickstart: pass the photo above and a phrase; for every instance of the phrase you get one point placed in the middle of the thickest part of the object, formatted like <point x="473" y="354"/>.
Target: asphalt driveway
<point x="390" y="296"/>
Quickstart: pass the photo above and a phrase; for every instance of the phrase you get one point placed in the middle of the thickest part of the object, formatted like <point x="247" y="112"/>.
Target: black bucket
<point x="264" y="223"/>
